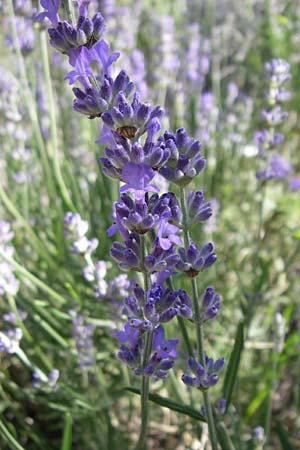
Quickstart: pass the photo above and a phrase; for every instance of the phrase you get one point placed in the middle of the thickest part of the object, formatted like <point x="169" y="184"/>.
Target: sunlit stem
<point x="198" y="324"/>
<point x="141" y="444"/>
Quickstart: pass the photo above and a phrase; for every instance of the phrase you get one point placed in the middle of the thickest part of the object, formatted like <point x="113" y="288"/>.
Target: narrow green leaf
<point x="223" y="436"/>
<point x="67" y="436"/>
<point x="233" y="365"/>
<point x="283" y="436"/>
<point x="8" y="437"/>
<point x="167" y="403"/>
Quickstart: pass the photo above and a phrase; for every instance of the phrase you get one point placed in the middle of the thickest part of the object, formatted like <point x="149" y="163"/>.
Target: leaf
<point x="233" y="365"/>
<point x="167" y="403"/>
<point x="296" y="234"/>
<point x="67" y="436"/>
<point x="283" y="436"/>
<point x="9" y="438"/>
<point x="223" y="436"/>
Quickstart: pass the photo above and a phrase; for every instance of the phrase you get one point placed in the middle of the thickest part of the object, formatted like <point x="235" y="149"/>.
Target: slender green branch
<point x="141" y="444"/>
<point x="54" y="137"/>
<point x="198" y="324"/>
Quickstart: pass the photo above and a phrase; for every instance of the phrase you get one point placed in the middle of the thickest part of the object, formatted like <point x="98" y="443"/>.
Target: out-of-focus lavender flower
<point x="138" y="70"/>
<point x="274" y="116"/>
<point x="96" y="276"/>
<point x="10" y="340"/>
<point x="294" y="184"/>
<point x="276" y="73"/>
<point x="26" y="36"/>
<point x="279" y="332"/>
<point x="8" y="282"/>
<point x="210" y="225"/>
<point x="83" y="333"/>
<point x="266" y="139"/>
<point x="10" y="317"/>
<point x="161" y="53"/>
<point x="259" y="437"/>
<point x="207" y="117"/>
<point x="279" y="168"/>
<point x="75" y="229"/>
<point x="205" y="377"/>
<point x="220" y="407"/>
<point x="49" y="384"/>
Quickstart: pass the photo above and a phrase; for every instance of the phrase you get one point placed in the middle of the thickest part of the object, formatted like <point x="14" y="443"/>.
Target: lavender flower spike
<point x="204" y="377"/>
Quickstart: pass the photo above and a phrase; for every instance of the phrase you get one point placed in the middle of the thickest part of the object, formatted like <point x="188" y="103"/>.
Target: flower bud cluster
<point x="204" y="377"/>
<point x="162" y="357"/>
<point x="158" y="305"/>
<point x="149" y="225"/>
<point x="63" y="35"/>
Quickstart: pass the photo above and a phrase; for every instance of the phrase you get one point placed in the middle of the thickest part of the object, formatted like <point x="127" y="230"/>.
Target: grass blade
<point x="167" y="403"/>
<point x="67" y="436"/>
<point x="233" y="365"/>
<point x="283" y="436"/>
<point x="8" y="437"/>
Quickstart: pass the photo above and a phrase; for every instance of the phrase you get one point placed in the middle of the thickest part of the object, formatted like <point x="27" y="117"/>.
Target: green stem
<point x="55" y="157"/>
<point x="34" y="239"/>
<point x="198" y="324"/>
<point x="59" y="299"/>
<point x="141" y="444"/>
<point x="270" y="397"/>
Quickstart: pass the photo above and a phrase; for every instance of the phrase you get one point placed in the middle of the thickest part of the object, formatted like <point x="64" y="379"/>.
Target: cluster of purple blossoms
<point x="204" y="377"/>
<point x="149" y="225"/>
<point x="277" y="73"/>
<point x="162" y="356"/>
<point x="63" y="35"/>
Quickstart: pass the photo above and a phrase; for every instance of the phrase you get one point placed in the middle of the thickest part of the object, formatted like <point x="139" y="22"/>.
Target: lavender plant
<point x="147" y="223"/>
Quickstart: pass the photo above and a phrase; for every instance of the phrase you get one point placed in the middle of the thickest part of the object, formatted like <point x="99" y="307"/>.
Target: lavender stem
<point x="197" y="318"/>
<point x="147" y="352"/>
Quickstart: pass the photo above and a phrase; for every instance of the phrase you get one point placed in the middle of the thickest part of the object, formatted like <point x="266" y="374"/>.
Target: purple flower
<point x="185" y="161"/>
<point x="137" y="177"/>
<point x="278" y="168"/>
<point x="204" y="377"/>
<point x="84" y="58"/>
<point x="193" y="260"/>
<point x="128" y="119"/>
<point x="167" y="234"/>
<point x="51" y="7"/>
<point x="294" y="184"/>
<point x="211" y="303"/>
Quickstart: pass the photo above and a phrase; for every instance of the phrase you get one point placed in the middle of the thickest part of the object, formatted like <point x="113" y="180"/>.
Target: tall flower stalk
<point x="149" y="224"/>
